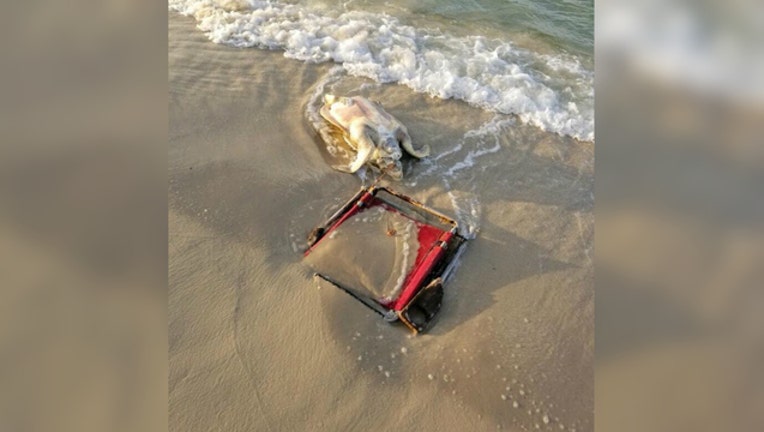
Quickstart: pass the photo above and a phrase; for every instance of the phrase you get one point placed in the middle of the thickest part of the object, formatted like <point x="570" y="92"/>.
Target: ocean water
<point x="529" y="59"/>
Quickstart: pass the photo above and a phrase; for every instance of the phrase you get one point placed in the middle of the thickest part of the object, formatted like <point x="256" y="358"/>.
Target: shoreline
<point x="255" y="344"/>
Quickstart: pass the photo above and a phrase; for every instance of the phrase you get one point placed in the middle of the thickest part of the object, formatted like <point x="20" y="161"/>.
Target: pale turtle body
<point x="375" y="135"/>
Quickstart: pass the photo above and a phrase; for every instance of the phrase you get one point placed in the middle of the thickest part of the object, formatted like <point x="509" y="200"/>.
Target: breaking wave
<point x="553" y="92"/>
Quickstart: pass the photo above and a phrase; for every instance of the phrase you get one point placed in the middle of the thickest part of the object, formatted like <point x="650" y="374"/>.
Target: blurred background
<point x="679" y="231"/>
<point x="679" y="215"/>
<point x="83" y="233"/>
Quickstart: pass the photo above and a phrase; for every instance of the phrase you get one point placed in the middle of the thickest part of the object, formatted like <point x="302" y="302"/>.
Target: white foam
<point x="705" y="51"/>
<point x="479" y="139"/>
<point x="469" y="160"/>
<point x="554" y="93"/>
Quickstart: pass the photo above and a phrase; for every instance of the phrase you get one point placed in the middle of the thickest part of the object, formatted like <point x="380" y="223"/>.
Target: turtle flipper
<point x="364" y="146"/>
<point x="329" y="98"/>
<point x="405" y="139"/>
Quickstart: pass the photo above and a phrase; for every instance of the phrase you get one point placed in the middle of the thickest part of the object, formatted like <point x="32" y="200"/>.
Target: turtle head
<point x="390" y="167"/>
<point x="391" y="148"/>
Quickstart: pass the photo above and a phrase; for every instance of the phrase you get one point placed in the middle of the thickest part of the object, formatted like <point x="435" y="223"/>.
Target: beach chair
<point x="389" y="252"/>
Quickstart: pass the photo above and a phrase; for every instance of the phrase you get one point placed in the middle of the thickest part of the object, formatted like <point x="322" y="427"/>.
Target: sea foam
<point x="553" y="92"/>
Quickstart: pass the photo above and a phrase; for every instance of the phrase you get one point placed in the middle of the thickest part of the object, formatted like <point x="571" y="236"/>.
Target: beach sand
<point x="256" y="344"/>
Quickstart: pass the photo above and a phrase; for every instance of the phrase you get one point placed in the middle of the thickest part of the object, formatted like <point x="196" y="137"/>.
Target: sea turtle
<point x="375" y="135"/>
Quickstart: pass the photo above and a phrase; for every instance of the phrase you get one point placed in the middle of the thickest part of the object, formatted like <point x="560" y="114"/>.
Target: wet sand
<point x="256" y="344"/>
